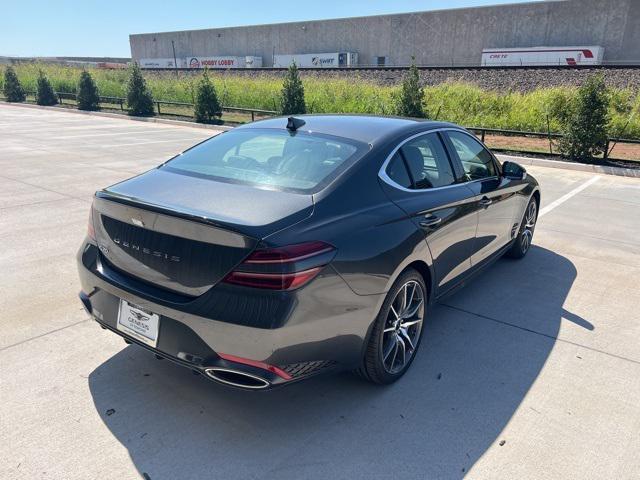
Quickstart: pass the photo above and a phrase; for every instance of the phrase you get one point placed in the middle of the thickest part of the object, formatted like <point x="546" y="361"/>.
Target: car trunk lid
<point x="183" y="233"/>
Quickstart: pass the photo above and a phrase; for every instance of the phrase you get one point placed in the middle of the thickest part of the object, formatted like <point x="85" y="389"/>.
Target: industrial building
<point x="435" y="38"/>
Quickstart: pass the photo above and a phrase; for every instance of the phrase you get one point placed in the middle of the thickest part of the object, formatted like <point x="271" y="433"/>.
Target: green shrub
<point x="87" y="96"/>
<point x="411" y="94"/>
<point x="585" y="134"/>
<point x="293" y="93"/>
<point x="207" y="106"/>
<point x="139" y="99"/>
<point x="44" y="91"/>
<point x="13" y="90"/>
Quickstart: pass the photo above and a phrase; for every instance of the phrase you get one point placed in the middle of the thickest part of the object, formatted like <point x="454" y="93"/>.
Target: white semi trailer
<point x="248" y="61"/>
<point x="543" y="56"/>
<point x="317" y="60"/>
<point x="225" y="62"/>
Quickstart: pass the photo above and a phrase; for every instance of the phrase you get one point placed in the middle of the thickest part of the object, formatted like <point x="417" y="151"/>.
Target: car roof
<point x="364" y="128"/>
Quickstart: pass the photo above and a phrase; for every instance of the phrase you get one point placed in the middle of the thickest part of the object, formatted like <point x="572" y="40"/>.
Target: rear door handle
<point x="430" y="221"/>
<point x="485" y="202"/>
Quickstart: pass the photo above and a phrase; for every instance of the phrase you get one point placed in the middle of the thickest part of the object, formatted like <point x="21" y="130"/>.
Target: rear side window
<point x="269" y="158"/>
<point x="421" y="163"/>
<point x="476" y="160"/>
<point x="397" y="171"/>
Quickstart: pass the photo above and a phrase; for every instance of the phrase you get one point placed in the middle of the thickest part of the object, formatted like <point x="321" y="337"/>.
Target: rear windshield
<point x="269" y="158"/>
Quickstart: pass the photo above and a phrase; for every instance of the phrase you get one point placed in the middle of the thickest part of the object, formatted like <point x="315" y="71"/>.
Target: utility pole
<point x="175" y="62"/>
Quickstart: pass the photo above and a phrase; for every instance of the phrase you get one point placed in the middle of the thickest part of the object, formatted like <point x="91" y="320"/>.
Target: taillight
<point x="91" y="231"/>
<point x="282" y="268"/>
<point x="290" y="253"/>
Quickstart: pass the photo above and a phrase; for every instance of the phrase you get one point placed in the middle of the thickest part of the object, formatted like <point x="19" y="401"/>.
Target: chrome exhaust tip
<point x="236" y="378"/>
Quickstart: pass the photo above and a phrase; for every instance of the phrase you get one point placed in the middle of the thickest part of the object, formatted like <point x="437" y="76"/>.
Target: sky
<point x="101" y="28"/>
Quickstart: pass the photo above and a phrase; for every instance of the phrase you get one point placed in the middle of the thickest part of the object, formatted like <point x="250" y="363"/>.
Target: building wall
<point x="443" y="37"/>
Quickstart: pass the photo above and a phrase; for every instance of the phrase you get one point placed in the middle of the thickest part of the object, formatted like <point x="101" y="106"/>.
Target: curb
<point x="164" y="121"/>
<point x="580" y="167"/>
<point x="523" y="160"/>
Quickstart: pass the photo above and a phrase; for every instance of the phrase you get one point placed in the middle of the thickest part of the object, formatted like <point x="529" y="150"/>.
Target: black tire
<point x="373" y="367"/>
<point x="520" y="245"/>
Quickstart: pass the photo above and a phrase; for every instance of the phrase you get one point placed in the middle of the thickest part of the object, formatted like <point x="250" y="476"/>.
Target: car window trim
<point x="493" y="158"/>
<point x="382" y="173"/>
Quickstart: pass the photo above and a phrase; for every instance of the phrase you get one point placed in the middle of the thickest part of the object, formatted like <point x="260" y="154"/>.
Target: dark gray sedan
<point x="291" y="247"/>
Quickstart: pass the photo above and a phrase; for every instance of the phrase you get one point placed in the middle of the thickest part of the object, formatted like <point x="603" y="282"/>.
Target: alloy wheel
<point x="402" y="327"/>
<point x="529" y="225"/>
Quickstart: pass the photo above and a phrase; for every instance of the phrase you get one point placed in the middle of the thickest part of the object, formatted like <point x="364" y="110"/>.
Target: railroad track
<point x="432" y="67"/>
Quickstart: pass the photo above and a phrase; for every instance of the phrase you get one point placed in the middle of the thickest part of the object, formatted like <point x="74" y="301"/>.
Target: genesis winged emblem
<point x="139" y="316"/>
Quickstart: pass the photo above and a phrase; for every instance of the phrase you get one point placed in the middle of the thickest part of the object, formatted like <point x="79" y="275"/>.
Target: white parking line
<point x="177" y="140"/>
<point x="18" y="121"/>
<point x="566" y="197"/>
<point x="47" y="130"/>
<point x="87" y="135"/>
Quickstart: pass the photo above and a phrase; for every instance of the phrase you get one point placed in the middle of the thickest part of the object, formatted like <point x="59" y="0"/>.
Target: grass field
<point x="464" y="104"/>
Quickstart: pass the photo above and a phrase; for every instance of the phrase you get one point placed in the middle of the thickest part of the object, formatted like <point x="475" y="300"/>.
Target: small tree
<point x="585" y="133"/>
<point x="411" y="94"/>
<point x="207" y="105"/>
<point x="13" y="91"/>
<point x="139" y="99"/>
<point x="44" y="91"/>
<point x="292" y="102"/>
<point x="87" y="96"/>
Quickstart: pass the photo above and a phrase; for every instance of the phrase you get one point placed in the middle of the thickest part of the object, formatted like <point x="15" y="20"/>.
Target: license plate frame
<point x="138" y="323"/>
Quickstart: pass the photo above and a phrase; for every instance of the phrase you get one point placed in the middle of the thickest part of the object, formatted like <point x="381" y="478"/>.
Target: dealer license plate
<point x="138" y="323"/>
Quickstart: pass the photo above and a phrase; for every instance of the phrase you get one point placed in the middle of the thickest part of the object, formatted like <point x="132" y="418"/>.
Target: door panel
<point x="448" y="218"/>
<point x="497" y="205"/>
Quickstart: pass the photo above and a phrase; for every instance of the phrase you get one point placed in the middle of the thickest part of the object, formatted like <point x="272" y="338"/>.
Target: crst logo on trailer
<point x="194" y="63"/>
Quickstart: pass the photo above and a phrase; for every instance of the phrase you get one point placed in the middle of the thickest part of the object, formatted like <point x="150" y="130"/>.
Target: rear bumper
<point x="324" y="327"/>
<point x="201" y="365"/>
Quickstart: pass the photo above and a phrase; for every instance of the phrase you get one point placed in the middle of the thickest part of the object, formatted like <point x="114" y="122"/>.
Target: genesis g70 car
<point x="291" y="247"/>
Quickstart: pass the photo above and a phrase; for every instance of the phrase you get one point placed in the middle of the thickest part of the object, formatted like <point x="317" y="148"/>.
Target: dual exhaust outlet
<point x="236" y="378"/>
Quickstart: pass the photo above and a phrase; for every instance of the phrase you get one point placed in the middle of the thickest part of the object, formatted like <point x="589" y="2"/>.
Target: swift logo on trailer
<point x="321" y="62"/>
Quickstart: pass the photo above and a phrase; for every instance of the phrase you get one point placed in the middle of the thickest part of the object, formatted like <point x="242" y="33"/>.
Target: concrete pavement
<point x="531" y="371"/>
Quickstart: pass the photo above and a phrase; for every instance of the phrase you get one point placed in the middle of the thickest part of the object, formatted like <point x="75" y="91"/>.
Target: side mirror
<point x="514" y="171"/>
